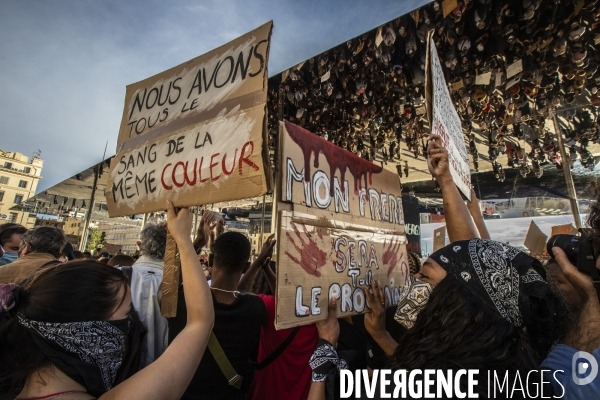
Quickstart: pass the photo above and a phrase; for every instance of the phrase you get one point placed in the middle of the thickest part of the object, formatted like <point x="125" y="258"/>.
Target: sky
<point x="64" y="65"/>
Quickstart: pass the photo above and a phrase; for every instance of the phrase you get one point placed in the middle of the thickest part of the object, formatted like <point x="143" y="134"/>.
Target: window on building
<point x="23" y="184"/>
<point x="7" y="164"/>
<point x="4" y="180"/>
<point x="18" y="198"/>
<point x="13" y="217"/>
<point x="1" y="195"/>
<point x="27" y="170"/>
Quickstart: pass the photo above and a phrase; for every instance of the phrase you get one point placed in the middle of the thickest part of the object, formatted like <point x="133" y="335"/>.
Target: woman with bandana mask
<point x="66" y="336"/>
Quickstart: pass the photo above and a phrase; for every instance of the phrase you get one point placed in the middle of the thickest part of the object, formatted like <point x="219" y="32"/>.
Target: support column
<point x="88" y="217"/>
<point x="568" y="177"/>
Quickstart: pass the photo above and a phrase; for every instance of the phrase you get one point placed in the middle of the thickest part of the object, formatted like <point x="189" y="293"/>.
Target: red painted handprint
<point x="312" y="258"/>
<point x="390" y="255"/>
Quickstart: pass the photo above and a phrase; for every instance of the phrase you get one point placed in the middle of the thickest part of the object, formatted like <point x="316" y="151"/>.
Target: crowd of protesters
<point x="368" y="95"/>
<point x="84" y="329"/>
<point x="73" y="326"/>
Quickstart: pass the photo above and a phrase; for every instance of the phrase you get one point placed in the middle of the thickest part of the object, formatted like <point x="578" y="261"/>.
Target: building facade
<point x="19" y="178"/>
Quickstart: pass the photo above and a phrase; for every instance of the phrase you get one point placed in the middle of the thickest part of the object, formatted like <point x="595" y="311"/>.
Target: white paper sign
<point x="514" y="69"/>
<point x="446" y="123"/>
<point x="483" y="79"/>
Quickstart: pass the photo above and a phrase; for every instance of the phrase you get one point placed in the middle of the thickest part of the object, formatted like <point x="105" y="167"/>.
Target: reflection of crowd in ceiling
<point x="367" y="95"/>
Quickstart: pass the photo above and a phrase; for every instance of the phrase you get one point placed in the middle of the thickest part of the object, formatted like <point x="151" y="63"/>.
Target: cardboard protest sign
<point x="195" y="133"/>
<point x="439" y="238"/>
<point x="448" y="6"/>
<point x="566" y="229"/>
<point x="412" y="223"/>
<point x="341" y="225"/>
<point x="483" y="79"/>
<point x="535" y="240"/>
<point x="445" y="121"/>
<point x="514" y="68"/>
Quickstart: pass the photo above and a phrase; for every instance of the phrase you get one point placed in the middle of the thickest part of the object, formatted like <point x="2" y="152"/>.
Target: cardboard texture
<point x="439" y="238"/>
<point x="535" y="240"/>
<point x="446" y="123"/>
<point x="483" y="79"/>
<point x="340" y="223"/>
<point x="566" y="229"/>
<point x="195" y="133"/>
<point x="171" y="279"/>
<point x="448" y="6"/>
<point x="514" y="68"/>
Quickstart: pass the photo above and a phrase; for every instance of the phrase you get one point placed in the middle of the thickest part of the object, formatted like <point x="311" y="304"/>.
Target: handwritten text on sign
<point x="341" y="227"/>
<point x="234" y="73"/>
<point x="322" y="176"/>
<point x="320" y="262"/>
<point x="212" y="157"/>
<point x="446" y="123"/>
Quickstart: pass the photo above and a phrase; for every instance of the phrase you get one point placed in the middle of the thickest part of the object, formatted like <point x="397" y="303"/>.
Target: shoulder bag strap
<point x="218" y="354"/>
<point x="280" y="349"/>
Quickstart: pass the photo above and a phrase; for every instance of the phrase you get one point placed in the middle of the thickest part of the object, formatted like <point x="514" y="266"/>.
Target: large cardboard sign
<point x="195" y="133"/>
<point x="341" y="225"/>
<point x="446" y="123"/>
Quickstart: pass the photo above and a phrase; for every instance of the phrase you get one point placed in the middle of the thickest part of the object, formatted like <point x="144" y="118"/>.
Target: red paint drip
<point x="337" y="158"/>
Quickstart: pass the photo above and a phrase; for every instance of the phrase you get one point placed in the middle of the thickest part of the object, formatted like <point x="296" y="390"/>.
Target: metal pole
<point x="568" y="176"/>
<point x="262" y="225"/>
<point x="88" y="217"/>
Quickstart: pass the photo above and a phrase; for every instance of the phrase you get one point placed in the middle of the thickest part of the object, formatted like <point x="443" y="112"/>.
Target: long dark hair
<point x="74" y="291"/>
<point x="457" y="331"/>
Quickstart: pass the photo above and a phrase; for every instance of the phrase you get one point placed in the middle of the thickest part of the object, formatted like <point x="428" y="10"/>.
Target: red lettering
<point x="211" y="167"/>
<point x="173" y="174"/>
<point x="200" y="171"/>
<point x="185" y="174"/>
<point x="162" y="178"/>
<point x="246" y="159"/>
<point x="232" y="165"/>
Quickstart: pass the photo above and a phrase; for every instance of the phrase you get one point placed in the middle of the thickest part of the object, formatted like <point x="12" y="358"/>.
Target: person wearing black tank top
<point x="238" y="320"/>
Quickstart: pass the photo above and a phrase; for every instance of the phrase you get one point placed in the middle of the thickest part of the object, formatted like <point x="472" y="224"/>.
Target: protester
<point x="10" y="241"/>
<point x="39" y="246"/>
<point x="226" y="371"/>
<point x="282" y="369"/>
<point x="40" y="360"/>
<point x="146" y="278"/>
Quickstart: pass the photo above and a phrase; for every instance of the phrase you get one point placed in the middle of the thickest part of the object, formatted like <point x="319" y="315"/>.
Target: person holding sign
<point x="41" y="359"/>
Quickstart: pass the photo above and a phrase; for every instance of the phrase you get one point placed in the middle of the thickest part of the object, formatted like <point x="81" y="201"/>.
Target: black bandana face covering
<point x="90" y="353"/>
<point x="501" y="276"/>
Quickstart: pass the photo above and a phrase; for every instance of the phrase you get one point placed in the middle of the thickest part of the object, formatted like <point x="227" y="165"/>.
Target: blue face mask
<point x="8" y="257"/>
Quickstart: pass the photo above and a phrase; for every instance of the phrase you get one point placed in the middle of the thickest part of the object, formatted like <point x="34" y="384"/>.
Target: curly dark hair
<point x="455" y="330"/>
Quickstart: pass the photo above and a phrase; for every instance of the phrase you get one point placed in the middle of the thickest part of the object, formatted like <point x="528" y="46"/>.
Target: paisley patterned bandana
<point x="90" y="353"/>
<point x="501" y="276"/>
<point x="413" y="298"/>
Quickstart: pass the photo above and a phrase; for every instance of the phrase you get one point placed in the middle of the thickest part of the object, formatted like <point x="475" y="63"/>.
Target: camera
<point x="580" y="252"/>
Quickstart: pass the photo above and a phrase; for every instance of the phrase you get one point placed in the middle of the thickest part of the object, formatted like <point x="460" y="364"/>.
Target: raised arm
<point x="169" y="376"/>
<point x="459" y="223"/>
<point x="262" y="260"/>
<point x="474" y="207"/>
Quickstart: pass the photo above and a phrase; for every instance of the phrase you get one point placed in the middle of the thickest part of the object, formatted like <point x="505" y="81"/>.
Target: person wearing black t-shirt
<point x="238" y="320"/>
